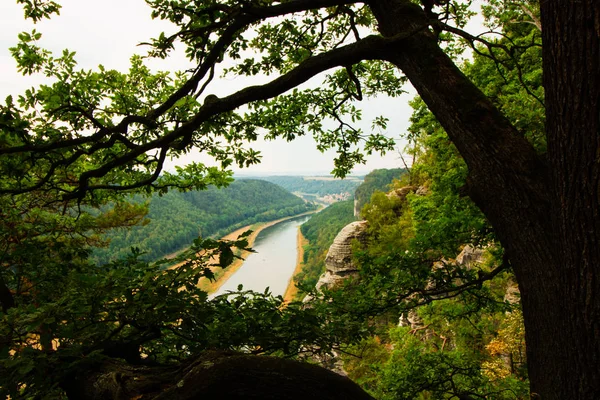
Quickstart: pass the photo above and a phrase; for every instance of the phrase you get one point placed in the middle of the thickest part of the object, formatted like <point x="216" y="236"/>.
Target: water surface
<point x="274" y="261"/>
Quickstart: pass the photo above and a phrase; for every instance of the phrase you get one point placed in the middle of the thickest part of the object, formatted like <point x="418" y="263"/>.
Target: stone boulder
<point x="338" y="262"/>
<point x="470" y="256"/>
<point x="339" y="257"/>
<point x="402" y="192"/>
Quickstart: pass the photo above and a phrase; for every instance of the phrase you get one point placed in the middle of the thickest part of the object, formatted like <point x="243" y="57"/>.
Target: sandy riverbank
<point x="292" y="291"/>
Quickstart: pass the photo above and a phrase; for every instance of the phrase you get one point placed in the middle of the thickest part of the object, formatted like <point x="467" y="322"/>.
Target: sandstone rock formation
<point x="470" y="256"/>
<point x="339" y="266"/>
<point x="402" y="192"/>
<point x="338" y="262"/>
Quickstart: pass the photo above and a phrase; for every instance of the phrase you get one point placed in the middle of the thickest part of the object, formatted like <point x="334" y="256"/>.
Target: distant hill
<point x="178" y="218"/>
<point x="315" y="185"/>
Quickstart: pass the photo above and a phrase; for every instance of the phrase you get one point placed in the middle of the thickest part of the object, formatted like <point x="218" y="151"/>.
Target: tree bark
<point x="214" y="375"/>
<point x="550" y="231"/>
<point x="571" y="63"/>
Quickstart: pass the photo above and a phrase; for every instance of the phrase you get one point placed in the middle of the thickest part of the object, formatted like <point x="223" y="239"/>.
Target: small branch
<point x="535" y="20"/>
<point x="358" y="96"/>
<point x="490" y="46"/>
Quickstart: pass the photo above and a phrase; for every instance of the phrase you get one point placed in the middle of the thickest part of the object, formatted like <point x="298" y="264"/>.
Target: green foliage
<point x="96" y="132"/>
<point x="463" y="340"/>
<point x="141" y="313"/>
<point x="445" y="217"/>
<point x="376" y="180"/>
<point x="447" y="353"/>
<point x="509" y="71"/>
<point x="73" y="150"/>
<point x="38" y="9"/>
<point x="178" y="218"/>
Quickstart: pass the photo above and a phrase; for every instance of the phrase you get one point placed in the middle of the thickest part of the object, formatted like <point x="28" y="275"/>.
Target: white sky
<point x="107" y="32"/>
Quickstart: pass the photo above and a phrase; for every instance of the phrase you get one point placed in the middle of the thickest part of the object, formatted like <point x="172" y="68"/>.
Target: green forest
<point x="175" y="219"/>
<point x="478" y="270"/>
<point x="377" y="180"/>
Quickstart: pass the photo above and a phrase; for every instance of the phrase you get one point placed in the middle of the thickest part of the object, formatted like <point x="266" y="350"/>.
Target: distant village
<point x="333" y="198"/>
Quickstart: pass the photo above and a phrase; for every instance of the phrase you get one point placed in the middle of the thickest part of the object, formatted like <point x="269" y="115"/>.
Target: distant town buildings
<point x="332" y="198"/>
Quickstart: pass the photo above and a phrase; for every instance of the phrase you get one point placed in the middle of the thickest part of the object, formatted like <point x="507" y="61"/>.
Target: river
<point x="274" y="261"/>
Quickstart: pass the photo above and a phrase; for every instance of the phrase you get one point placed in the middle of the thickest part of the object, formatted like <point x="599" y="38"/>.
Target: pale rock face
<point x="513" y="295"/>
<point x="339" y="266"/>
<point x="329" y="280"/>
<point x="338" y="262"/>
<point x="402" y="192"/>
<point x="422" y="191"/>
<point x="339" y="256"/>
<point x="470" y="256"/>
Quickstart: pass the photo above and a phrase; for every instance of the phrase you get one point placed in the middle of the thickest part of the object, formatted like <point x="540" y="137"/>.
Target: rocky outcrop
<point x="469" y="257"/>
<point x="211" y="375"/>
<point x="402" y="192"/>
<point x="513" y="295"/>
<point x="399" y="193"/>
<point x="338" y="263"/>
<point x="356" y="208"/>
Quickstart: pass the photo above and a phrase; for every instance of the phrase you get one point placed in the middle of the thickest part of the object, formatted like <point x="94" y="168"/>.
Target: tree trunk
<point x="214" y="375"/>
<point x="532" y="206"/>
<point x="571" y="62"/>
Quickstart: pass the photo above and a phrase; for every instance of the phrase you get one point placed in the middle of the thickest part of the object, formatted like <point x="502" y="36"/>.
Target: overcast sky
<point x="107" y="32"/>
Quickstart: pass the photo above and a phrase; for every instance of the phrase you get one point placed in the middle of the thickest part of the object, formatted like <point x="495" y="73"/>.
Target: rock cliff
<point x="339" y="266"/>
<point x="469" y="257"/>
<point x="338" y="262"/>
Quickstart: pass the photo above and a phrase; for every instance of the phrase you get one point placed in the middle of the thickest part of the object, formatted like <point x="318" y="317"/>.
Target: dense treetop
<point x="376" y="180"/>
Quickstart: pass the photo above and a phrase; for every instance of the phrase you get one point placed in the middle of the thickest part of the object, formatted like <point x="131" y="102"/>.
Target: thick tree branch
<point x="371" y="47"/>
<point x="249" y="16"/>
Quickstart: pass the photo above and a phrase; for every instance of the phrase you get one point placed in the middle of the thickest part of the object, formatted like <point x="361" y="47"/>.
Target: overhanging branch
<point x="371" y="47"/>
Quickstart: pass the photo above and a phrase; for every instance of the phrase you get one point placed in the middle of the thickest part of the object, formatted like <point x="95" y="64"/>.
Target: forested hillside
<point x="320" y="231"/>
<point x="450" y="330"/>
<point x="319" y="186"/>
<point x="376" y="180"/>
<point x="177" y="218"/>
